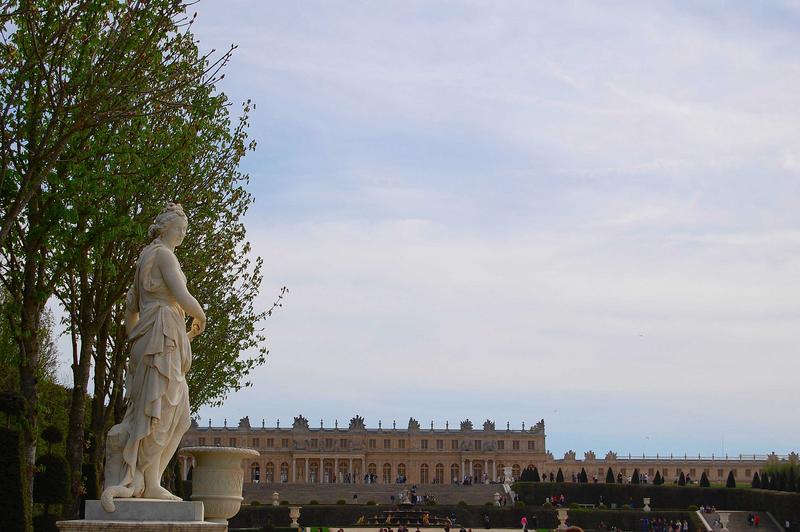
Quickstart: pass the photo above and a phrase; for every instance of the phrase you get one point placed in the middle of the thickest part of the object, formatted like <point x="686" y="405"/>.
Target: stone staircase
<point x="737" y="522"/>
<point x="380" y="493"/>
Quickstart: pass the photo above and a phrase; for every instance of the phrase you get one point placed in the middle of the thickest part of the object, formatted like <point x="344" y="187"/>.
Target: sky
<point x="585" y="212"/>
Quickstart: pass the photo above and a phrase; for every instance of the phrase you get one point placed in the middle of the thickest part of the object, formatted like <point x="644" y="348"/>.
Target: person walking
<point x="524" y="523"/>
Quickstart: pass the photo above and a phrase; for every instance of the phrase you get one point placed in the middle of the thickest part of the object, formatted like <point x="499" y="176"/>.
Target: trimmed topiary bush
<point x="371" y="503"/>
<point x="658" y="480"/>
<point x="313" y="501"/>
<point x="463" y="504"/>
<point x="731" y="482"/>
<point x="341" y="501"/>
<point x="560" y="475"/>
<point x="704" y="483"/>
<point x="635" y="476"/>
<point x="756" y="482"/>
<point x="12" y="505"/>
<point x="52" y="435"/>
<point x="536" y="477"/>
<point x="51" y="481"/>
<point x="682" y="479"/>
<point x="45" y="523"/>
<point x="583" y="477"/>
<point x="527" y="475"/>
<point x="610" y="477"/>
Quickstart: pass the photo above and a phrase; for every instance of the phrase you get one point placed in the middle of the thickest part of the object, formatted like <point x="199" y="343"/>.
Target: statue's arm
<point x="171" y="273"/>
<point x="131" y="311"/>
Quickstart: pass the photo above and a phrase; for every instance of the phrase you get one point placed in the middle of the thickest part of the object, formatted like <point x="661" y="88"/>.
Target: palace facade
<point x="357" y="454"/>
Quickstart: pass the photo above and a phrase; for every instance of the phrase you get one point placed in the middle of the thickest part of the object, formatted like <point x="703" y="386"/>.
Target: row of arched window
<point x="427" y="474"/>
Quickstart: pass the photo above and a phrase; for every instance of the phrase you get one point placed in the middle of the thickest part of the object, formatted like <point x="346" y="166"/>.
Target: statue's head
<point x="172" y="219"/>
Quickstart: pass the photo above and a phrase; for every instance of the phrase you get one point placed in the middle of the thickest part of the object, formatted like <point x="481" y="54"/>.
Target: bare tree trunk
<point x="77" y="413"/>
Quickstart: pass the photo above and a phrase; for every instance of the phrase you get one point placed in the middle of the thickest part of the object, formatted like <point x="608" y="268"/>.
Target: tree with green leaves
<point x="704" y="483"/>
<point x="609" y="476"/>
<point x="109" y="110"/>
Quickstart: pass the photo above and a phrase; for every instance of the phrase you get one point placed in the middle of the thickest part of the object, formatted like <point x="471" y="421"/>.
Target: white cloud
<point x="552" y="207"/>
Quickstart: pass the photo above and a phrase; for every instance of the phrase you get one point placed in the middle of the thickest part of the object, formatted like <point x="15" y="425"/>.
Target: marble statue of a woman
<point x="140" y="447"/>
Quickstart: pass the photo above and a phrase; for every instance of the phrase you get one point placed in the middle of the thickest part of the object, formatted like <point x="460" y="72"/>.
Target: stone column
<point x="350" y="471"/>
<point x="305" y="473"/>
<point x="485" y="469"/>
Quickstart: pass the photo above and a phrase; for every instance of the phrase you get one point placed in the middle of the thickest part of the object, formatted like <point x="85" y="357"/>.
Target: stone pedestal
<point x="646" y="504"/>
<point x="146" y="510"/>
<point x="140" y="515"/>
<point x="84" y="525"/>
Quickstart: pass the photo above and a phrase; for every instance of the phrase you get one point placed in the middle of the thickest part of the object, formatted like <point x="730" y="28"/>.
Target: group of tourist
<point x="559" y="501"/>
<point x="753" y="519"/>
<point x="660" y="524"/>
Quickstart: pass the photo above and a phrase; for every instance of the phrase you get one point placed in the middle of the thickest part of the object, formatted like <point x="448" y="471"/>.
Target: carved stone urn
<point x="217" y="479"/>
<point x="294" y="515"/>
<point x="562" y="519"/>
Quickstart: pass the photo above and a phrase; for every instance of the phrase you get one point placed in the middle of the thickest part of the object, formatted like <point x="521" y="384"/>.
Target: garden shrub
<point x="341" y="501"/>
<point x="13" y="508"/>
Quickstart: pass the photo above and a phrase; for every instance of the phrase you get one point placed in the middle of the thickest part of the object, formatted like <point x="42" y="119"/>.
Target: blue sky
<point x="579" y="211"/>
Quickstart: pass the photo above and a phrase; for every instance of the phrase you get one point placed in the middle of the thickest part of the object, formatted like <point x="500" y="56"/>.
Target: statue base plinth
<point x="139" y="515"/>
<point x="135" y="509"/>
<point x="84" y="525"/>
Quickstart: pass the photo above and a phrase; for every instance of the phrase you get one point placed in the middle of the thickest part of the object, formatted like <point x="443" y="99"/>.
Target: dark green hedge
<point x="471" y="517"/>
<point x="782" y="505"/>
<point x="630" y="519"/>
<point x="342" y="516"/>
<point x="12" y="505"/>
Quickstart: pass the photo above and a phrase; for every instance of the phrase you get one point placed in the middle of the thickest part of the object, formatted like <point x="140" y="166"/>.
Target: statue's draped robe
<point x="157" y="394"/>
